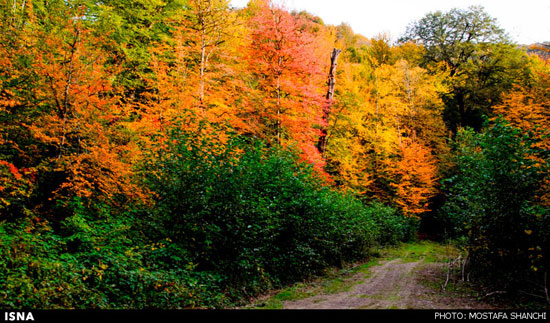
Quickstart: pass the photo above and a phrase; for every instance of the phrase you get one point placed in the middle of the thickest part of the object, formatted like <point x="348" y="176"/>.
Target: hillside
<point x="187" y="154"/>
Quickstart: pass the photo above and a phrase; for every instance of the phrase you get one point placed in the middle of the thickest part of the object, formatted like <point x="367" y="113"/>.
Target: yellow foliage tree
<point x="528" y="108"/>
<point x="371" y="149"/>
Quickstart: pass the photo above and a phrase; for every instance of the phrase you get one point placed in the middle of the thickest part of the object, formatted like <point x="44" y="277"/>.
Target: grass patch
<point x="427" y="251"/>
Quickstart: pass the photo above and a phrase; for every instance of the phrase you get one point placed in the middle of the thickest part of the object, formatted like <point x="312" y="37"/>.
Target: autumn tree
<point x="416" y="177"/>
<point x="409" y="98"/>
<point x="78" y="127"/>
<point x="196" y="74"/>
<point x="528" y="108"/>
<point x="380" y="51"/>
<point x="16" y="86"/>
<point x="207" y="20"/>
<point x="281" y="58"/>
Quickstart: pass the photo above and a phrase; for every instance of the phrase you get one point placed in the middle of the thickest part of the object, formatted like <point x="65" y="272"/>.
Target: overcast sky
<point x="526" y="21"/>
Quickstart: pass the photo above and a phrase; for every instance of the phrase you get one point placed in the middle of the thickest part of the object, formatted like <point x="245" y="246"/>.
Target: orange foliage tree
<point x="80" y="121"/>
<point x="528" y="107"/>
<point x="281" y="56"/>
<point x="196" y="72"/>
<point x="416" y="181"/>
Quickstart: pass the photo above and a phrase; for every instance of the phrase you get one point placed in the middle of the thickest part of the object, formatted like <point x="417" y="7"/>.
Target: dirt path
<point x="399" y="283"/>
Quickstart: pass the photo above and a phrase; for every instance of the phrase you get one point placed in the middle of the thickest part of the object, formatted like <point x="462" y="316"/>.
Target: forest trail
<point x="407" y="277"/>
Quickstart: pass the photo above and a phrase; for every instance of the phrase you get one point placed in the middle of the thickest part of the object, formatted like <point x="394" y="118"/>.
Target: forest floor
<point x="410" y="276"/>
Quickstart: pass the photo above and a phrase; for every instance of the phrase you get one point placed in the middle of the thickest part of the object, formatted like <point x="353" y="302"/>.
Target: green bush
<point x="392" y="225"/>
<point x="256" y="215"/>
<point x="92" y="259"/>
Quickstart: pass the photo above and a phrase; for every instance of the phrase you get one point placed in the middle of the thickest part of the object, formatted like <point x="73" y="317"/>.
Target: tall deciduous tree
<point x="78" y="113"/>
<point x="528" y="107"/>
<point x="282" y="60"/>
<point x="478" y="56"/>
<point x="196" y="73"/>
<point x="408" y="97"/>
<point x="207" y="20"/>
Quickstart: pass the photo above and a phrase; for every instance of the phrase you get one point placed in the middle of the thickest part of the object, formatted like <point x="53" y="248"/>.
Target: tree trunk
<point x="323" y="139"/>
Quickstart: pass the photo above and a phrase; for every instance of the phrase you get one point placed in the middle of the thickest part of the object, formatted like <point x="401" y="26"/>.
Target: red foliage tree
<point x="282" y="59"/>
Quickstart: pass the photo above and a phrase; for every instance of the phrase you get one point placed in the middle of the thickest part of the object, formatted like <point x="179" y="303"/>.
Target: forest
<point x="188" y="154"/>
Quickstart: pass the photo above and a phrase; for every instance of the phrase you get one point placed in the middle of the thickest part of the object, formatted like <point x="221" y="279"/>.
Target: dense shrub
<point x="494" y="199"/>
<point x="91" y="259"/>
<point x="258" y="216"/>
<point x="392" y="227"/>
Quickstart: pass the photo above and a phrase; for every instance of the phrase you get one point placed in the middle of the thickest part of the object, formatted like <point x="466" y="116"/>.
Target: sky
<point x="526" y="21"/>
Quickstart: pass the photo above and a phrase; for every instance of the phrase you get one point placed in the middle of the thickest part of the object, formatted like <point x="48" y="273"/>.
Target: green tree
<point x="480" y="59"/>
